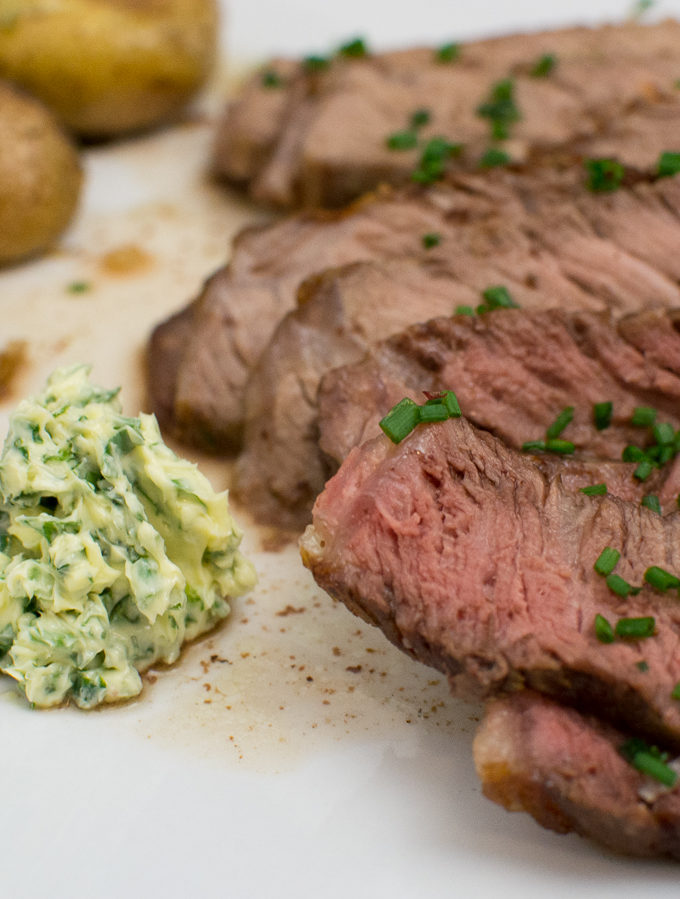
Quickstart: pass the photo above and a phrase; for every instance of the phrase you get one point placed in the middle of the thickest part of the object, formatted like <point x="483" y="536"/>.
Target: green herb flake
<point x="648" y="760"/>
<point x="500" y="109"/>
<point x="661" y="579"/>
<point x="607" y="561"/>
<point x="663" y="433"/>
<point x="354" y="49"/>
<point x="468" y="310"/>
<point x="633" y="453"/>
<point x="447" y="52"/>
<point x="560" y="423"/>
<point x="603" y="629"/>
<point x="643" y="417"/>
<point x="643" y="470"/>
<point x="272" y="79"/>
<point x="668" y="165"/>
<point x="433" y="412"/>
<point x="604" y="175"/>
<point x="543" y="66"/>
<point x="432" y="239"/>
<point x="400" y="420"/>
<point x="562" y="447"/>
<point x="635" y="628"/>
<point x="76" y="287"/>
<point x="642" y="666"/>
<point x="602" y="415"/>
<point x="402" y="140"/>
<point x="619" y="586"/>
<point x="675" y="692"/>
<point x="315" y="63"/>
<point x="499" y="297"/>
<point x="434" y="159"/>
<point x="533" y="446"/>
<point x="493" y="158"/>
<point x="451" y="403"/>
<point x="595" y="490"/>
<point x="650" y="501"/>
<point x="420" y="117"/>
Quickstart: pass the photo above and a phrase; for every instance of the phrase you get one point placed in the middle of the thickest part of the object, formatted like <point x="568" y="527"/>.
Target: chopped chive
<point x="666" y="454"/>
<point x="271" y="78"/>
<point x="494" y="157"/>
<point x="402" y="140"/>
<point x="560" y="423"/>
<point x="433" y="412"/>
<point x="633" y="454"/>
<point x="533" y="446"/>
<point x="668" y="165"/>
<point x="654" y="767"/>
<point x="79" y="287"/>
<point x="607" y="561"/>
<point x="643" y="471"/>
<point x="354" y="49"/>
<point x="650" y="501"/>
<point x="401" y="420"/>
<point x="648" y="760"/>
<point x="595" y="490"/>
<point x="675" y="692"/>
<point x="434" y="158"/>
<point x="499" y="297"/>
<point x="543" y="66"/>
<point x="643" y="417"/>
<point x="618" y="585"/>
<point x="602" y="414"/>
<point x="634" y="628"/>
<point x="464" y="310"/>
<point x="431" y="239"/>
<point x="603" y="630"/>
<point x="450" y="400"/>
<point x="447" y="52"/>
<point x="663" y="433"/>
<point x="500" y="109"/>
<point x="642" y="666"/>
<point x="315" y="63"/>
<point x="603" y="175"/>
<point x="661" y="579"/>
<point x="563" y="447"/>
<point x="420" y="117"/>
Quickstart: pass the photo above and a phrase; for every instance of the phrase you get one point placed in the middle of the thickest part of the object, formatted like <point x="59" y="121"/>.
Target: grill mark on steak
<point x="611" y="93"/>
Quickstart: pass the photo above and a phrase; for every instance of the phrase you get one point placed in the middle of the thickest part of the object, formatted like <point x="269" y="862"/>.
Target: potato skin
<point x="109" y="67"/>
<point x="40" y="177"/>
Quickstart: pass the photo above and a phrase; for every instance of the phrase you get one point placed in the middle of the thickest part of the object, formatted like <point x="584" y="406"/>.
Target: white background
<point x="287" y="770"/>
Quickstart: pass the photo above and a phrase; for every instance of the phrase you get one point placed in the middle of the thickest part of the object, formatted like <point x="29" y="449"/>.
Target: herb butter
<point x="113" y="551"/>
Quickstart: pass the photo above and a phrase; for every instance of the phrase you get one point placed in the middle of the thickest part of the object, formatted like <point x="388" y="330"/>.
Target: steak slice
<point x="555" y="355"/>
<point x="472" y="560"/>
<point x="318" y="138"/>
<point x="542" y="234"/>
<point x="513" y="371"/>
<point x="566" y="770"/>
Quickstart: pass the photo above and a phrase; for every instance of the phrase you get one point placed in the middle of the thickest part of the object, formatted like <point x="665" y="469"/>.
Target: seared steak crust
<point x="318" y="138"/>
<point x="565" y="769"/>
<point x="475" y="562"/>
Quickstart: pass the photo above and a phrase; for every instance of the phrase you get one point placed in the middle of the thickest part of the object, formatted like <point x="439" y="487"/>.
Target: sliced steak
<point x="309" y="137"/>
<point x="566" y="770"/>
<point x="542" y="234"/>
<point x="472" y="560"/>
<point x="513" y="371"/>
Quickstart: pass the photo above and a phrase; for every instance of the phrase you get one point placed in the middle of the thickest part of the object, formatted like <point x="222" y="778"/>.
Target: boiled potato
<point x="40" y="177"/>
<point x="107" y="67"/>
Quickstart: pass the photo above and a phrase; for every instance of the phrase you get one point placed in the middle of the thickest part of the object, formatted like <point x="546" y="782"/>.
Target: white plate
<point x="294" y="753"/>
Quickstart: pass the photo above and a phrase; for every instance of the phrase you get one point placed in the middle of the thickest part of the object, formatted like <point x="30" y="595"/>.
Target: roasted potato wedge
<point x="108" y="67"/>
<point x="40" y="176"/>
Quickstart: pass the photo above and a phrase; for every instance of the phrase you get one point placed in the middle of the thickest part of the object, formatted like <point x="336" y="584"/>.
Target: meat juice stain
<point x="264" y="699"/>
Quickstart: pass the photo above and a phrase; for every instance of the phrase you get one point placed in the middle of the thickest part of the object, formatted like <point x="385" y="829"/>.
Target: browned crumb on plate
<point x="13" y="359"/>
